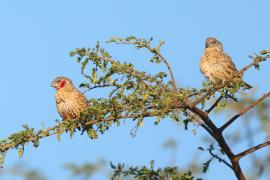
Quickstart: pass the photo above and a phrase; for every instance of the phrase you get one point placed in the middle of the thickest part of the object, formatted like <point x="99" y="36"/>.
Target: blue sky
<point x="37" y="36"/>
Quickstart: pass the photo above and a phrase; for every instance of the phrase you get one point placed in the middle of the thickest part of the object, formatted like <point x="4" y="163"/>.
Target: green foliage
<point x="142" y="43"/>
<point x="145" y="173"/>
<point x="134" y="95"/>
<point x="92" y="133"/>
<point x="257" y="58"/>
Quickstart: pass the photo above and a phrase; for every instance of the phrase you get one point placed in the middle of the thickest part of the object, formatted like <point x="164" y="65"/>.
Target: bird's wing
<point x="82" y="100"/>
<point x="217" y="65"/>
<point x="227" y="62"/>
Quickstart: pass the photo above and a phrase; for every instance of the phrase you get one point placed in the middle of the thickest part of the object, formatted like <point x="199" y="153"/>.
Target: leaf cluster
<point x="145" y="173"/>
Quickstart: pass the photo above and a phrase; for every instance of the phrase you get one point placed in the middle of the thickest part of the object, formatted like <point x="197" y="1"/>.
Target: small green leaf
<point x="92" y="133"/>
<point x="84" y="85"/>
<point x="112" y="165"/>
<point x="94" y="75"/>
<point x="157" y="120"/>
<point x="152" y="164"/>
<point x="72" y="53"/>
<point x="58" y="136"/>
<point x="2" y="157"/>
<point x="36" y="143"/>
<point x="201" y="148"/>
<point x="206" y="165"/>
<point x="20" y="151"/>
<point x="186" y="122"/>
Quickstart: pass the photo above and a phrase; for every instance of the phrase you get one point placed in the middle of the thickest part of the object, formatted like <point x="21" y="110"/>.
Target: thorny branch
<point x="137" y="73"/>
<point x="214" y="105"/>
<point x="58" y="130"/>
<point x="168" y="67"/>
<point x="228" y="123"/>
<point x="150" y="103"/>
<point x="253" y="149"/>
<point x="256" y="61"/>
<point x="155" y="51"/>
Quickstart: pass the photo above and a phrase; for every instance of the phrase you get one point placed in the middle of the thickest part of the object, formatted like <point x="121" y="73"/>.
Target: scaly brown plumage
<point x="70" y="102"/>
<point x="217" y="66"/>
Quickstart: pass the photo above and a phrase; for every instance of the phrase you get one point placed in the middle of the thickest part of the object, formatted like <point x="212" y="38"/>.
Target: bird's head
<point x="61" y="82"/>
<point x="213" y="43"/>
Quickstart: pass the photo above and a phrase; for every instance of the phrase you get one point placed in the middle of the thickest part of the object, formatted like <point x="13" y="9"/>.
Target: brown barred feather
<point x="217" y="66"/>
<point x="70" y="102"/>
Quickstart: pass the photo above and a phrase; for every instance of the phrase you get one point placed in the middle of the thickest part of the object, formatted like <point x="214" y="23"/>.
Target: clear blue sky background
<point x="37" y="36"/>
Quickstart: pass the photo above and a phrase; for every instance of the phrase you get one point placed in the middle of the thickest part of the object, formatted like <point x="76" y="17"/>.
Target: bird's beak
<point x="53" y="85"/>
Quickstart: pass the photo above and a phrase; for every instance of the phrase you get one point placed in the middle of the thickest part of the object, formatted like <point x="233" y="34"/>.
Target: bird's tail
<point x="247" y="86"/>
<point x="243" y="83"/>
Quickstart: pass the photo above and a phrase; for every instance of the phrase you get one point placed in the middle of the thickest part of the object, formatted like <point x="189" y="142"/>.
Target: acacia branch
<point x="228" y="123"/>
<point x="217" y="135"/>
<point x="253" y="149"/>
<point x="154" y="51"/>
<point x="204" y="117"/>
<point x="256" y="61"/>
<point x="99" y="86"/>
<point x="207" y="129"/>
<point x="165" y="61"/>
<point x="214" y="105"/>
<point x="136" y="100"/>
<point x="57" y="130"/>
<point x="136" y="72"/>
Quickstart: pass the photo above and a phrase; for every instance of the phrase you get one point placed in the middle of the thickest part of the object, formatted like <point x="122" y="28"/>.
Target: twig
<point x="165" y="61"/>
<point x="55" y="130"/>
<point x="253" y="149"/>
<point x="220" y="159"/>
<point x="252" y="64"/>
<point x="201" y="99"/>
<point x="228" y="123"/>
<point x="214" y="105"/>
<point x="99" y="86"/>
<point x="137" y="73"/>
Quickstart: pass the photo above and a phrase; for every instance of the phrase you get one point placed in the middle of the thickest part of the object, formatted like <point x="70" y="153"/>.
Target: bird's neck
<point x="214" y="48"/>
<point x="67" y="88"/>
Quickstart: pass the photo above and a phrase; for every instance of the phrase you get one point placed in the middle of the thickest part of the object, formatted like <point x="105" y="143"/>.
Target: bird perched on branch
<point x="70" y="102"/>
<point x="217" y="66"/>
